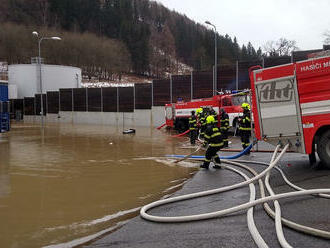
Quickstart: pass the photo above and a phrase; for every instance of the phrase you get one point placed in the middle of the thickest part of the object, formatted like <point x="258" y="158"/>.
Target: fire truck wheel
<point x="323" y="148"/>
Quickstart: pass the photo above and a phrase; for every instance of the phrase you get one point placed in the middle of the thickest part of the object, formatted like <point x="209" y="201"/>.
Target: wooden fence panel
<point x="79" y="99"/>
<point x="94" y="99"/>
<point x="109" y="99"/>
<point x="143" y="96"/>
<point x="181" y="88"/>
<point x="161" y="92"/>
<point x="126" y="99"/>
<point x="53" y="102"/>
<point x="202" y="84"/>
<point x="29" y="106"/>
<point x="65" y="99"/>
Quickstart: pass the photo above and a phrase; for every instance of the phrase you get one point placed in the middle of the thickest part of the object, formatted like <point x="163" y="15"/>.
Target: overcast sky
<point x="259" y="21"/>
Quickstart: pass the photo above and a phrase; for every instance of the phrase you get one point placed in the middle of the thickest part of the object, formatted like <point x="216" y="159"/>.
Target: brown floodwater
<point x="67" y="182"/>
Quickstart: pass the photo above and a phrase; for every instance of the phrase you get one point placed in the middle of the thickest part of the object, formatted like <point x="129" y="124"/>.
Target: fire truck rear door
<point x="279" y="111"/>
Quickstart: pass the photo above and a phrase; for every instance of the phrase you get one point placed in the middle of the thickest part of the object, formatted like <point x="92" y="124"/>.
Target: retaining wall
<point x="139" y="118"/>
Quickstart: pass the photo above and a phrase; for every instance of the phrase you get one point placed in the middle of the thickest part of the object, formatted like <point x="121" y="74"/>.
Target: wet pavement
<point x="232" y="230"/>
<point x="67" y="182"/>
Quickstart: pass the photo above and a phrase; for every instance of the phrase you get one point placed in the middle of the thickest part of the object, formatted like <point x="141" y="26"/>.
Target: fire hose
<point x="181" y="134"/>
<point x="163" y="125"/>
<point x="252" y="202"/>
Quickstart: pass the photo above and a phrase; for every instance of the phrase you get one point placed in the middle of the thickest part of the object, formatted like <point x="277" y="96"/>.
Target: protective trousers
<point x="245" y="138"/>
<point x="211" y="153"/>
<point x="202" y="131"/>
<point x="193" y="136"/>
<point x="224" y="133"/>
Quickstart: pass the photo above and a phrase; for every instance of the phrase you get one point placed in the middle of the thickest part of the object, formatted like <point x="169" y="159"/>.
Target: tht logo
<point x="276" y="91"/>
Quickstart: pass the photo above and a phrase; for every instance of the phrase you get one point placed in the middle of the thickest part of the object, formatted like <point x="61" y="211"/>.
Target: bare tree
<point x="281" y="47"/>
<point x="270" y="48"/>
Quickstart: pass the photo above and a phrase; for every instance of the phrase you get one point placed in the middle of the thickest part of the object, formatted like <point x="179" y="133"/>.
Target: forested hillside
<point x="149" y="38"/>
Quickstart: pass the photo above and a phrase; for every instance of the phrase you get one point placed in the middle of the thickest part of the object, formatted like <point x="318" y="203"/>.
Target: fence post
<point x="117" y="99"/>
<point x="134" y="96"/>
<point x="59" y="101"/>
<point x="86" y="99"/>
<point x="35" y="105"/>
<point x="152" y="93"/>
<point x="263" y="62"/>
<point x="191" y="85"/>
<point x="213" y="90"/>
<point x="171" y="88"/>
<point x="236" y="74"/>
<point x="102" y="99"/>
<point x="72" y="107"/>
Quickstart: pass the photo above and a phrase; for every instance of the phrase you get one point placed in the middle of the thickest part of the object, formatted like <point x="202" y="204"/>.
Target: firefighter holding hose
<point x="245" y="126"/>
<point x="214" y="140"/>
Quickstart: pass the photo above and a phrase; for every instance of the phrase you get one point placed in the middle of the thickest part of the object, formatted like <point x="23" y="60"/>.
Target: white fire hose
<point x="252" y="202"/>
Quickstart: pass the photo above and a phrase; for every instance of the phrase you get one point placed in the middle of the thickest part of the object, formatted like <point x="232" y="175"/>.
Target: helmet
<point x="193" y="112"/>
<point x="210" y="119"/>
<point x="199" y="110"/>
<point x="246" y="106"/>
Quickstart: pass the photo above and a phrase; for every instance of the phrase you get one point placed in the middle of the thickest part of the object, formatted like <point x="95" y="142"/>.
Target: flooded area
<point x="67" y="182"/>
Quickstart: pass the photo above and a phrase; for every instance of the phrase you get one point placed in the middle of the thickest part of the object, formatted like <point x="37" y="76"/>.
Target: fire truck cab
<point x="177" y="114"/>
<point x="291" y="104"/>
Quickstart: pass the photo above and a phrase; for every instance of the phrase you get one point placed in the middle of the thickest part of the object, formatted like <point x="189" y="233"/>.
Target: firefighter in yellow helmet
<point x="201" y="121"/>
<point x="245" y="126"/>
<point x="214" y="140"/>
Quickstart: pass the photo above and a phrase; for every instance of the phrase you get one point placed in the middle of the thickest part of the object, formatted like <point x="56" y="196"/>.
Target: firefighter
<point x="215" y="115"/>
<point x="202" y="122"/>
<point x="198" y="115"/>
<point x="193" y="127"/>
<point x="245" y="126"/>
<point x="213" y="138"/>
<point x="224" y="122"/>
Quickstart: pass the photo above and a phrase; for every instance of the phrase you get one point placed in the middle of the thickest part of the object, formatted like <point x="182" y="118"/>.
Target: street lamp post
<point x="215" y="90"/>
<point x="40" y="39"/>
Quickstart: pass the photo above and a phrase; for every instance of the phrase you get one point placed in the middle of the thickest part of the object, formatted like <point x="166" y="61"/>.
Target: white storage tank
<point x="24" y="79"/>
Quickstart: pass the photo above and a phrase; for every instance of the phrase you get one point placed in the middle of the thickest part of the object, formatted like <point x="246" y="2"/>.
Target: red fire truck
<point x="177" y="114"/>
<point x="291" y="104"/>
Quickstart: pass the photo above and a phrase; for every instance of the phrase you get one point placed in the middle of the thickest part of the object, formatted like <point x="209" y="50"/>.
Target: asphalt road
<point x="232" y="231"/>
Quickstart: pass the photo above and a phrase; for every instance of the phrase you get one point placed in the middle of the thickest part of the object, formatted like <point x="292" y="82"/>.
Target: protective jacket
<point x="224" y="121"/>
<point x="193" y="122"/>
<point x="213" y="136"/>
<point x="245" y="123"/>
<point x="202" y="123"/>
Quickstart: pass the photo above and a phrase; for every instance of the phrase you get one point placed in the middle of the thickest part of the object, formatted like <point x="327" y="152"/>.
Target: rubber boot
<point x="217" y="163"/>
<point x="205" y="165"/>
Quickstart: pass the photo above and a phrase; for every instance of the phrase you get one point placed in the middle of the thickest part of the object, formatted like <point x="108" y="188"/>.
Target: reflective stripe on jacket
<point x="213" y="136"/>
<point x="192" y="122"/>
<point x="245" y="124"/>
<point x="224" y="122"/>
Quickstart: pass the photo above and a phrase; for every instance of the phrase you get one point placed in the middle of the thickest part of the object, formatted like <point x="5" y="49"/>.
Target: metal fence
<point x="199" y="84"/>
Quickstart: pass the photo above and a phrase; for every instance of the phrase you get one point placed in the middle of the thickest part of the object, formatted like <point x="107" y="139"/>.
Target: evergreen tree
<point x="133" y="22"/>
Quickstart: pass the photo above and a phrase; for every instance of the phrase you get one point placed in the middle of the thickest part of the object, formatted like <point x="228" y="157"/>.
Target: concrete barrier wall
<point x="139" y="118"/>
<point x="157" y="116"/>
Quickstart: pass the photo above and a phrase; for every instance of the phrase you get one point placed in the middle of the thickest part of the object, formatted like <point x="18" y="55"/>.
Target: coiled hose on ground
<point x="252" y="202"/>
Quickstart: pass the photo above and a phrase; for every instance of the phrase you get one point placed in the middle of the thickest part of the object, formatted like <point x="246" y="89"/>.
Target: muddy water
<point x="66" y="182"/>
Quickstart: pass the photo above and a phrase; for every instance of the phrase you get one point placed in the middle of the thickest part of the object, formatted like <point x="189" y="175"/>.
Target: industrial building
<point x="24" y="79"/>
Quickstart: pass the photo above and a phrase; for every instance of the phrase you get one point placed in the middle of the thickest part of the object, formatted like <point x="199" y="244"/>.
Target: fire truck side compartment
<point x="293" y="103"/>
